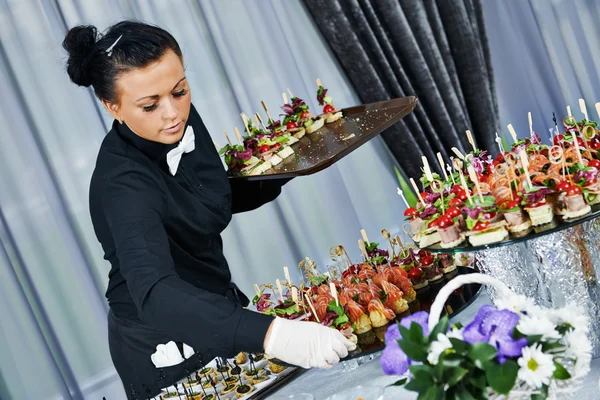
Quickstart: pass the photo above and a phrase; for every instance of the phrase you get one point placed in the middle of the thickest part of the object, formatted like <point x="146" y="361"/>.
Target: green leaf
<point x="335" y="307"/>
<point x="424" y="373"/>
<point x="454" y="375"/>
<point x="415" y="385"/>
<point x="463" y="394"/>
<point x="451" y="359"/>
<point x="433" y="393"/>
<point x="471" y="222"/>
<point x="478" y="380"/>
<point x="371" y="246"/>
<point x="457" y="325"/>
<point x="481" y="353"/>
<point x="440" y="327"/>
<point x="534" y="339"/>
<point x="413" y="350"/>
<point x="502" y="377"/>
<point x="416" y="333"/>
<point x="543" y="395"/>
<point x="458" y="345"/>
<point x="546" y="347"/>
<point x="560" y="372"/>
<point x="410" y="196"/>
<point x="400" y="382"/>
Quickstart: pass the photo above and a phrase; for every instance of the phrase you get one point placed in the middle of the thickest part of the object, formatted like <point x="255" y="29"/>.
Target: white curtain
<point x="546" y="55"/>
<point x="52" y="274"/>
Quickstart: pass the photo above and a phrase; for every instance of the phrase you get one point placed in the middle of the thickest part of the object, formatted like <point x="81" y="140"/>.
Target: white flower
<point x="536" y="368"/>
<point x="456" y="334"/>
<point x="580" y="348"/>
<point x="571" y="314"/>
<point x="437" y="347"/>
<point x="518" y="304"/>
<point x="530" y="326"/>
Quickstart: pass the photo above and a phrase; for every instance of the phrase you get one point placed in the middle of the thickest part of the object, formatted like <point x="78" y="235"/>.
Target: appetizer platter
<point x="301" y="142"/>
<point x="528" y="190"/>
<point x="362" y="299"/>
<point x="247" y="376"/>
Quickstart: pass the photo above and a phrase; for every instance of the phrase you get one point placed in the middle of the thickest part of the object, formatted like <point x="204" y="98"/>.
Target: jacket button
<point x="224" y="206"/>
<point x="200" y="187"/>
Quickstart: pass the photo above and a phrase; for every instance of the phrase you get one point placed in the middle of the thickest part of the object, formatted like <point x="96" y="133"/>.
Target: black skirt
<point x="131" y="344"/>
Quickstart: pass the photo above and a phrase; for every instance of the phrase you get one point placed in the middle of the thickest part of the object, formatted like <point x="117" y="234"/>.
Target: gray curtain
<point x="434" y="49"/>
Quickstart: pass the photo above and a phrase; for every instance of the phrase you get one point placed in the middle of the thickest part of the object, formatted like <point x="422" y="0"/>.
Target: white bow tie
<point x="186" y="145"/>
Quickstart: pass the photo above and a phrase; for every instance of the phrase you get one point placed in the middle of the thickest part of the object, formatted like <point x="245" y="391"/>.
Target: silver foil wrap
<point x="555" y="270"/>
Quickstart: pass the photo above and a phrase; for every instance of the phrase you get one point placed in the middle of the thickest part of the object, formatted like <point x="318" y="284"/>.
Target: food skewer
<point x="441" y="161"/>
<point x="334" y="293"/>
<point x="239" y="137"/>
<point x="569" y="114"/>
<point x="449" y="169"/>
<point x="363" y="233"/>
<point x="525" y="165"/>
<point x="271" y="120"/>
<point x="286" y="273"/>
<point x="361" y="246"/>
<point x="474" y="179"/>
<point x="458" y="153"/>
<point x="284" y="97"/>
<point x="598" y="109"/>
<point x="583" y="109"/>
<point x="416" y="188"/>
<point x="257" y="290"/>
<point x="401" y="194"/>
<point x="278" y="283"/>
<point x="312" y="308"/>
<point x="513" y="133"/>
<point x="258" y="117"/>
<point x="227" y="137"/>
<point x="471" y="141"/>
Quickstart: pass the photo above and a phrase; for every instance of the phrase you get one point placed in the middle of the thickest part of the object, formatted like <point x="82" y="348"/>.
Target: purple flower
<point x="393" y="360"/>
<point x="428" y="212"/>
<point x="495" y="327"/>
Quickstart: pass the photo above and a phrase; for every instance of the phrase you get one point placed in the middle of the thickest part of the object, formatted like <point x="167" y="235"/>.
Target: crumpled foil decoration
<point x="554" y="269"/>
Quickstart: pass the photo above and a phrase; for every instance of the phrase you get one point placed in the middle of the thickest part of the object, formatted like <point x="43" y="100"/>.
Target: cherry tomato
<point x="512" y="204"/>
<point x="453" y="212"/>
<point x="424" y="195"/>
<point x="328" y="108"/>
<point x="518" y="197"/>
<point x="489" y="215"/>
<point x="558" y="139"/>
<point x="541" y="203"/>
<point x="291" y="125"/>
<point x="423" y="253"/>
<point x="580" y="143"/>
<point x="563" y="186"/>
<point x="276" y="146"/>
<point x="455" y="202"/>
<point x="573" y="190"/>
<point x="445" y="221"/>
<point x="481" y="225"/>
<point x="500" y="157"/>
<point x="264" y="148"/>
<point x="462" y="196"/>
<point x="411" y="212"/>
<point x="427" y="260"/>
<point x="594" y="163"/>
<point x="594" y="143"/>
<point x="457" y="189"/>
<point x="305" y="114"/>
<point x="415" y="273"/>
<point x="433" y="223"/>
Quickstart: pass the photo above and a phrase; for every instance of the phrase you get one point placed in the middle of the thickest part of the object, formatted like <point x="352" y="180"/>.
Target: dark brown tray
<point x="319" y="150"/>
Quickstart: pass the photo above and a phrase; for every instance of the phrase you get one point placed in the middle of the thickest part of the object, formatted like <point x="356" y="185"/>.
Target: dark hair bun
<point x="80" y="42"/>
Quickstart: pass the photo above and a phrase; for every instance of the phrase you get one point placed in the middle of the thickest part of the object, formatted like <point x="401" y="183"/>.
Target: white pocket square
<point x="166" y="355"/>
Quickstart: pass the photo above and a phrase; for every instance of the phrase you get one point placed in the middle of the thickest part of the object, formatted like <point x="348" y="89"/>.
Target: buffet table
<point x="324" y="383"/>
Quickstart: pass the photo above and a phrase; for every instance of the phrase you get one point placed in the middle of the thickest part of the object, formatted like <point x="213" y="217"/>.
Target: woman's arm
<point x="250" y="195"/>
<point x="135" y="207"/>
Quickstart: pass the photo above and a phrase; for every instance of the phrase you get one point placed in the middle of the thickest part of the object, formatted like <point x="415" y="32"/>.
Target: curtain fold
<point x="435" y="50"/>
<point x="52" y="272"/>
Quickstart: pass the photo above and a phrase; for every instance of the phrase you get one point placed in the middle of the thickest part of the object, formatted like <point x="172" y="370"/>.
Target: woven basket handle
<point x="446" y="291"/>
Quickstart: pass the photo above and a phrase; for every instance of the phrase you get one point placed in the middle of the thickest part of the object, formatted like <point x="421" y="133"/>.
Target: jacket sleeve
<point x="250" y="195"/>
<point x="135" y="209"/>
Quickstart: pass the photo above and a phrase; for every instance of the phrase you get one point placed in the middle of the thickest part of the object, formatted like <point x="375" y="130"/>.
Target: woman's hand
<point x="306" y="344"/>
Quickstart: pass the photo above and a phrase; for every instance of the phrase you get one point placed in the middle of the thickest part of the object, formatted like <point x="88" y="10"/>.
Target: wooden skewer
<point x="458" y="153"/>
<point x="257" y="290"/>
<point x="441" y="161"/>
<point x="216" y="144"/>
<point x="363" y="233"/>
<point x="257" y="115"/>
<point x="227" y="137"/>
<point x="284" y="97"/>
<point x="471" y="141"/>
<point x="255" y="120"/>
<point x="577" y="146"/>
<point x="569" y="114"/>
<point x="414" y="185"/>
<point x="246" y="120"/>
<point x="449" y="169"/>
<point x="499" y="142"/>
<point x="399" y="242"/>
<point x="473" y="177"/>
<point x="334" y="293"/>
<point x="295" y="294"/>
<point x="266" y="110"/>
<point x="598" y="109"/>
<point x="239" y="137"/>
<point x="361" y="246"/>
<point x="512" y="132"/>
<point x="286" y="273"/>
<point x="583" y="109"/>
<point x="290" y="92"/>
<point x="525" y="165"/>
<point x="463" y="183"/>
<point x="312" y="308"/>
<point x="401" y="194"/>
<point x="279" y="289"/>
<point x="530" y="124"/>
<point x="319" y="82"/>
<point x="428" y="173"/>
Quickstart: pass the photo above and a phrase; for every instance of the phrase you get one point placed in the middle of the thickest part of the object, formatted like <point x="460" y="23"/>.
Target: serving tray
<point x="321" y="149"/>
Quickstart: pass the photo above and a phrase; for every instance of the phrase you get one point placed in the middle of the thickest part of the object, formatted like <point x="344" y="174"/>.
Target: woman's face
<point x="154" y="101"/>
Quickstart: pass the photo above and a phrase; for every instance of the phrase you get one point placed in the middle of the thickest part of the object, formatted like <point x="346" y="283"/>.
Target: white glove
<point x="307" y="344"/>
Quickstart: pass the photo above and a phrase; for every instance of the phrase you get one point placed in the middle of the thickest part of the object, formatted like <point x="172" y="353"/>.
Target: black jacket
<point x="161" y="234"/>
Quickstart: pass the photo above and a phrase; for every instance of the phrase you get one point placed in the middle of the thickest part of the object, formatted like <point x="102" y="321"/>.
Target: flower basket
<point x="516" y="350"/>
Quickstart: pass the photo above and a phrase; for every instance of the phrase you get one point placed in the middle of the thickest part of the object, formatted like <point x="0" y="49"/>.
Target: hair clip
<point x="109" y="51"/>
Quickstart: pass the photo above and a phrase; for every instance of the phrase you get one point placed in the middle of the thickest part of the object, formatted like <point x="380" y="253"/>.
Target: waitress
<point x="159" y="200"/>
